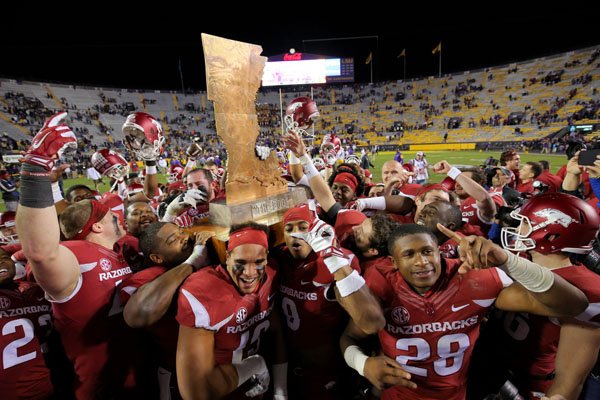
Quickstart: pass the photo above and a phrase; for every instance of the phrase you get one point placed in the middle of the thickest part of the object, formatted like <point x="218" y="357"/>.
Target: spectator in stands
<point x="10" y="194"/>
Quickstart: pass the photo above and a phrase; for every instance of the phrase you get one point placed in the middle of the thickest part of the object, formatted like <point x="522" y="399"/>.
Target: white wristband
<point x="532" y="276"/>
<point x="293" y="159"/>
<point x="334" y="263"/>
<point x="350" y="284"/>
<point x="355" y="358"/>
<point x="280" y="379"/>
<point x="56" y="194"/>
<point x="303" y="181"/>
<point x="373" y="203"/>
<point x="309" y="168"/>
<point x="454" y="173"/>
<point x="198" y="257"/>
<point x="151" y="170"/>
<point x="250" y="366"/>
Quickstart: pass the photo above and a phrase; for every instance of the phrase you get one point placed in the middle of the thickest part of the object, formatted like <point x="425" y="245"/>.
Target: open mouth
<point x="3" y="271"/>
<point x="424" y="274"/>
<point x="247" y="283"/>
<point x="420" y="221"/>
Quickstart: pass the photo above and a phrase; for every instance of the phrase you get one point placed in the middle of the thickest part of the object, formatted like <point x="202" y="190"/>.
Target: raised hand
<point x="476" y="252"/>
<point x="293" y="142"/>
<point x="319" y="237"/>
<point x="50" y="142"/>
<point x="442" y="167"/>
<point x="384" y="372"/>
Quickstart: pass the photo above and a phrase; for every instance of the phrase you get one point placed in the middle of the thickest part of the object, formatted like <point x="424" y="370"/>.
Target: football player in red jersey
<point x="172" y="254"/>
<point x="24" y="323"/>
<point x="319" y="280"/>
<point x="552" y="227"/>
<point x="433" y="313"/>
<point x="224" y="314"/>
<point x="78" y="276"/>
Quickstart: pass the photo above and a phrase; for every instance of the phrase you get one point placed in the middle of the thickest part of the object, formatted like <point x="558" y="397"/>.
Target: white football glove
<point x="262" y="152"/>
<point x="320" y="236"/>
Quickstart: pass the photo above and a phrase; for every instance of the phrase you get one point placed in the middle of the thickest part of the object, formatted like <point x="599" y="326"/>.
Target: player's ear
<point x="156" y="259"/>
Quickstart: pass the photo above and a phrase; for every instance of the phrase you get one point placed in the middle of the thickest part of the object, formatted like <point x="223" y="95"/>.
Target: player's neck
<point x="551" y="261"/>
<point x="103" y="241"/>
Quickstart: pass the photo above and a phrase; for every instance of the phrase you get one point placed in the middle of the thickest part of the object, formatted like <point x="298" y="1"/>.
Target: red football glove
<point x="50" y="142"/>
<point x="184" y="220"/>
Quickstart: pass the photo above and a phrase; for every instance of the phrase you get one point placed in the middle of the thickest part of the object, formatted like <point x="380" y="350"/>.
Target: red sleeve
<point x="133" y="282"/>
<point x="379" y="285"/>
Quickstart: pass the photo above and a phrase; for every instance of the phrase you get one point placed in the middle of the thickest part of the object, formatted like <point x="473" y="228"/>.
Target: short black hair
<point x="406" y="230"/>
<point x="148" y="241"/>
<point x="536" y="168"/>
<point x="383" y="226"/>
<point x="545" y="164"/>
<point x="73" y="188"/>
<point x="352" y="169"/>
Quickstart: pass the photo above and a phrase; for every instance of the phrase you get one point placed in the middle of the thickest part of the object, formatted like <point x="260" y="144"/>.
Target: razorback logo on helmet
<point x="554" y="217"/>
<point x="301" y="113"/>
<point x="110" y="163"/>
<point x="143" y="135"/>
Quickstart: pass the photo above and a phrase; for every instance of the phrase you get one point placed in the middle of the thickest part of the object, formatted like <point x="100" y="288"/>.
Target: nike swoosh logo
<point x="455" y="309"/>
<point x="41" y="299"/>
<point x="39" y="142"/>
<point x="305" y="282"/>
<point x="271" y="296"/>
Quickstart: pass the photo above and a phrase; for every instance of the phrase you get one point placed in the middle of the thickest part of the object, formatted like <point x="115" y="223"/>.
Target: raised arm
<point x="319" y="187"/>
<point x="537" y="290"/>
<point x="485" y="204"/>
<point x="55" y="267"/>
<point x="152" y="300"/>
<point x="351" y="291"/>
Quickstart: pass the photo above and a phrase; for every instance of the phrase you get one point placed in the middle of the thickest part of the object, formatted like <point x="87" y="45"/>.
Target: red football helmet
<point x="175" y="174"/>
<point x="301" y="114"/>
<point x="144" y="135"/>
<point x="8" y="229"/>
<point x="330" y="143"/>
<point x="553" y="222"/>
<point x="110" y="163"/>
<point x="319" y="163"/>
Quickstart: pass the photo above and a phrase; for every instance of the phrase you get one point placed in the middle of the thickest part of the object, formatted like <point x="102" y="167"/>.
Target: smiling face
<point x="7" y="269"/>
<point x="246" y="265"/>
<point x="417" y="258"/>
<point x="298" y="248"/>
<point x="342" y="193"/>
<point x="139" y="216"/>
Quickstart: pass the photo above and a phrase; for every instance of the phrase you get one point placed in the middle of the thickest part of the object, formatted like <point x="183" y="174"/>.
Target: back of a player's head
<point x="407" y="230"/>
<point x="383" y="226"/>
<point x="74" y="217"/>
<point x="545" y="164"/>
<point x="536" y="168"/>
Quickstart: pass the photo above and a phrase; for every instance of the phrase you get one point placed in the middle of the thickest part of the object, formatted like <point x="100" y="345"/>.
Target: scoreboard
<point x="306" y="69"/>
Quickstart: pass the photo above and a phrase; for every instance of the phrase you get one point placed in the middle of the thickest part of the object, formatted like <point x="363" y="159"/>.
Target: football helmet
<point x="352" y="159"/>
<point x="319" y="163"/>
<point x="330" y="143"/>
<point x="110" y="163"/>
<point x="8" y="228"/>
<point x="175" y="174"/>
<point x="143" y="135"/>
<point x="552" y="222"/>
<point x="300" y="114"/>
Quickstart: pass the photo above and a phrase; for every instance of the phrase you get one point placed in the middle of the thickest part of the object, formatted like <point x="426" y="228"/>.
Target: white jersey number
<point x="449" y="361"/>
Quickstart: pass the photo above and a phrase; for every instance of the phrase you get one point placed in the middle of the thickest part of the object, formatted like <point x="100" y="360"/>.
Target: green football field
<point x="453" y="157"/>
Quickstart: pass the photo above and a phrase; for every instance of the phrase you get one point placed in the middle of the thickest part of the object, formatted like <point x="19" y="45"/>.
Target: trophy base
<point x="267" y="211"/>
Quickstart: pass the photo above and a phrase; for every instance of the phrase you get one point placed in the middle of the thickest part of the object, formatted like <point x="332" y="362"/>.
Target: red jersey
<point x="313" y="316"/>
<point x="166" y="330"/>
<point x="90" y="322"/>
<point x="24" y="323"/>
<point x="472" y="215"/>
<point x="432" y="335"/>
<point x="532" y="340"/>
<point x="209" y="299"/>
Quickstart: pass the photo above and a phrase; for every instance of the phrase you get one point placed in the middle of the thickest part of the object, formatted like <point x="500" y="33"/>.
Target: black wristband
<point x="36" y="187"/>
<point x="150" y="163"/>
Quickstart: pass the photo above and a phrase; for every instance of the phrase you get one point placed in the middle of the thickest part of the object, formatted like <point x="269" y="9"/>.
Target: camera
<point x="508" y="391"/>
